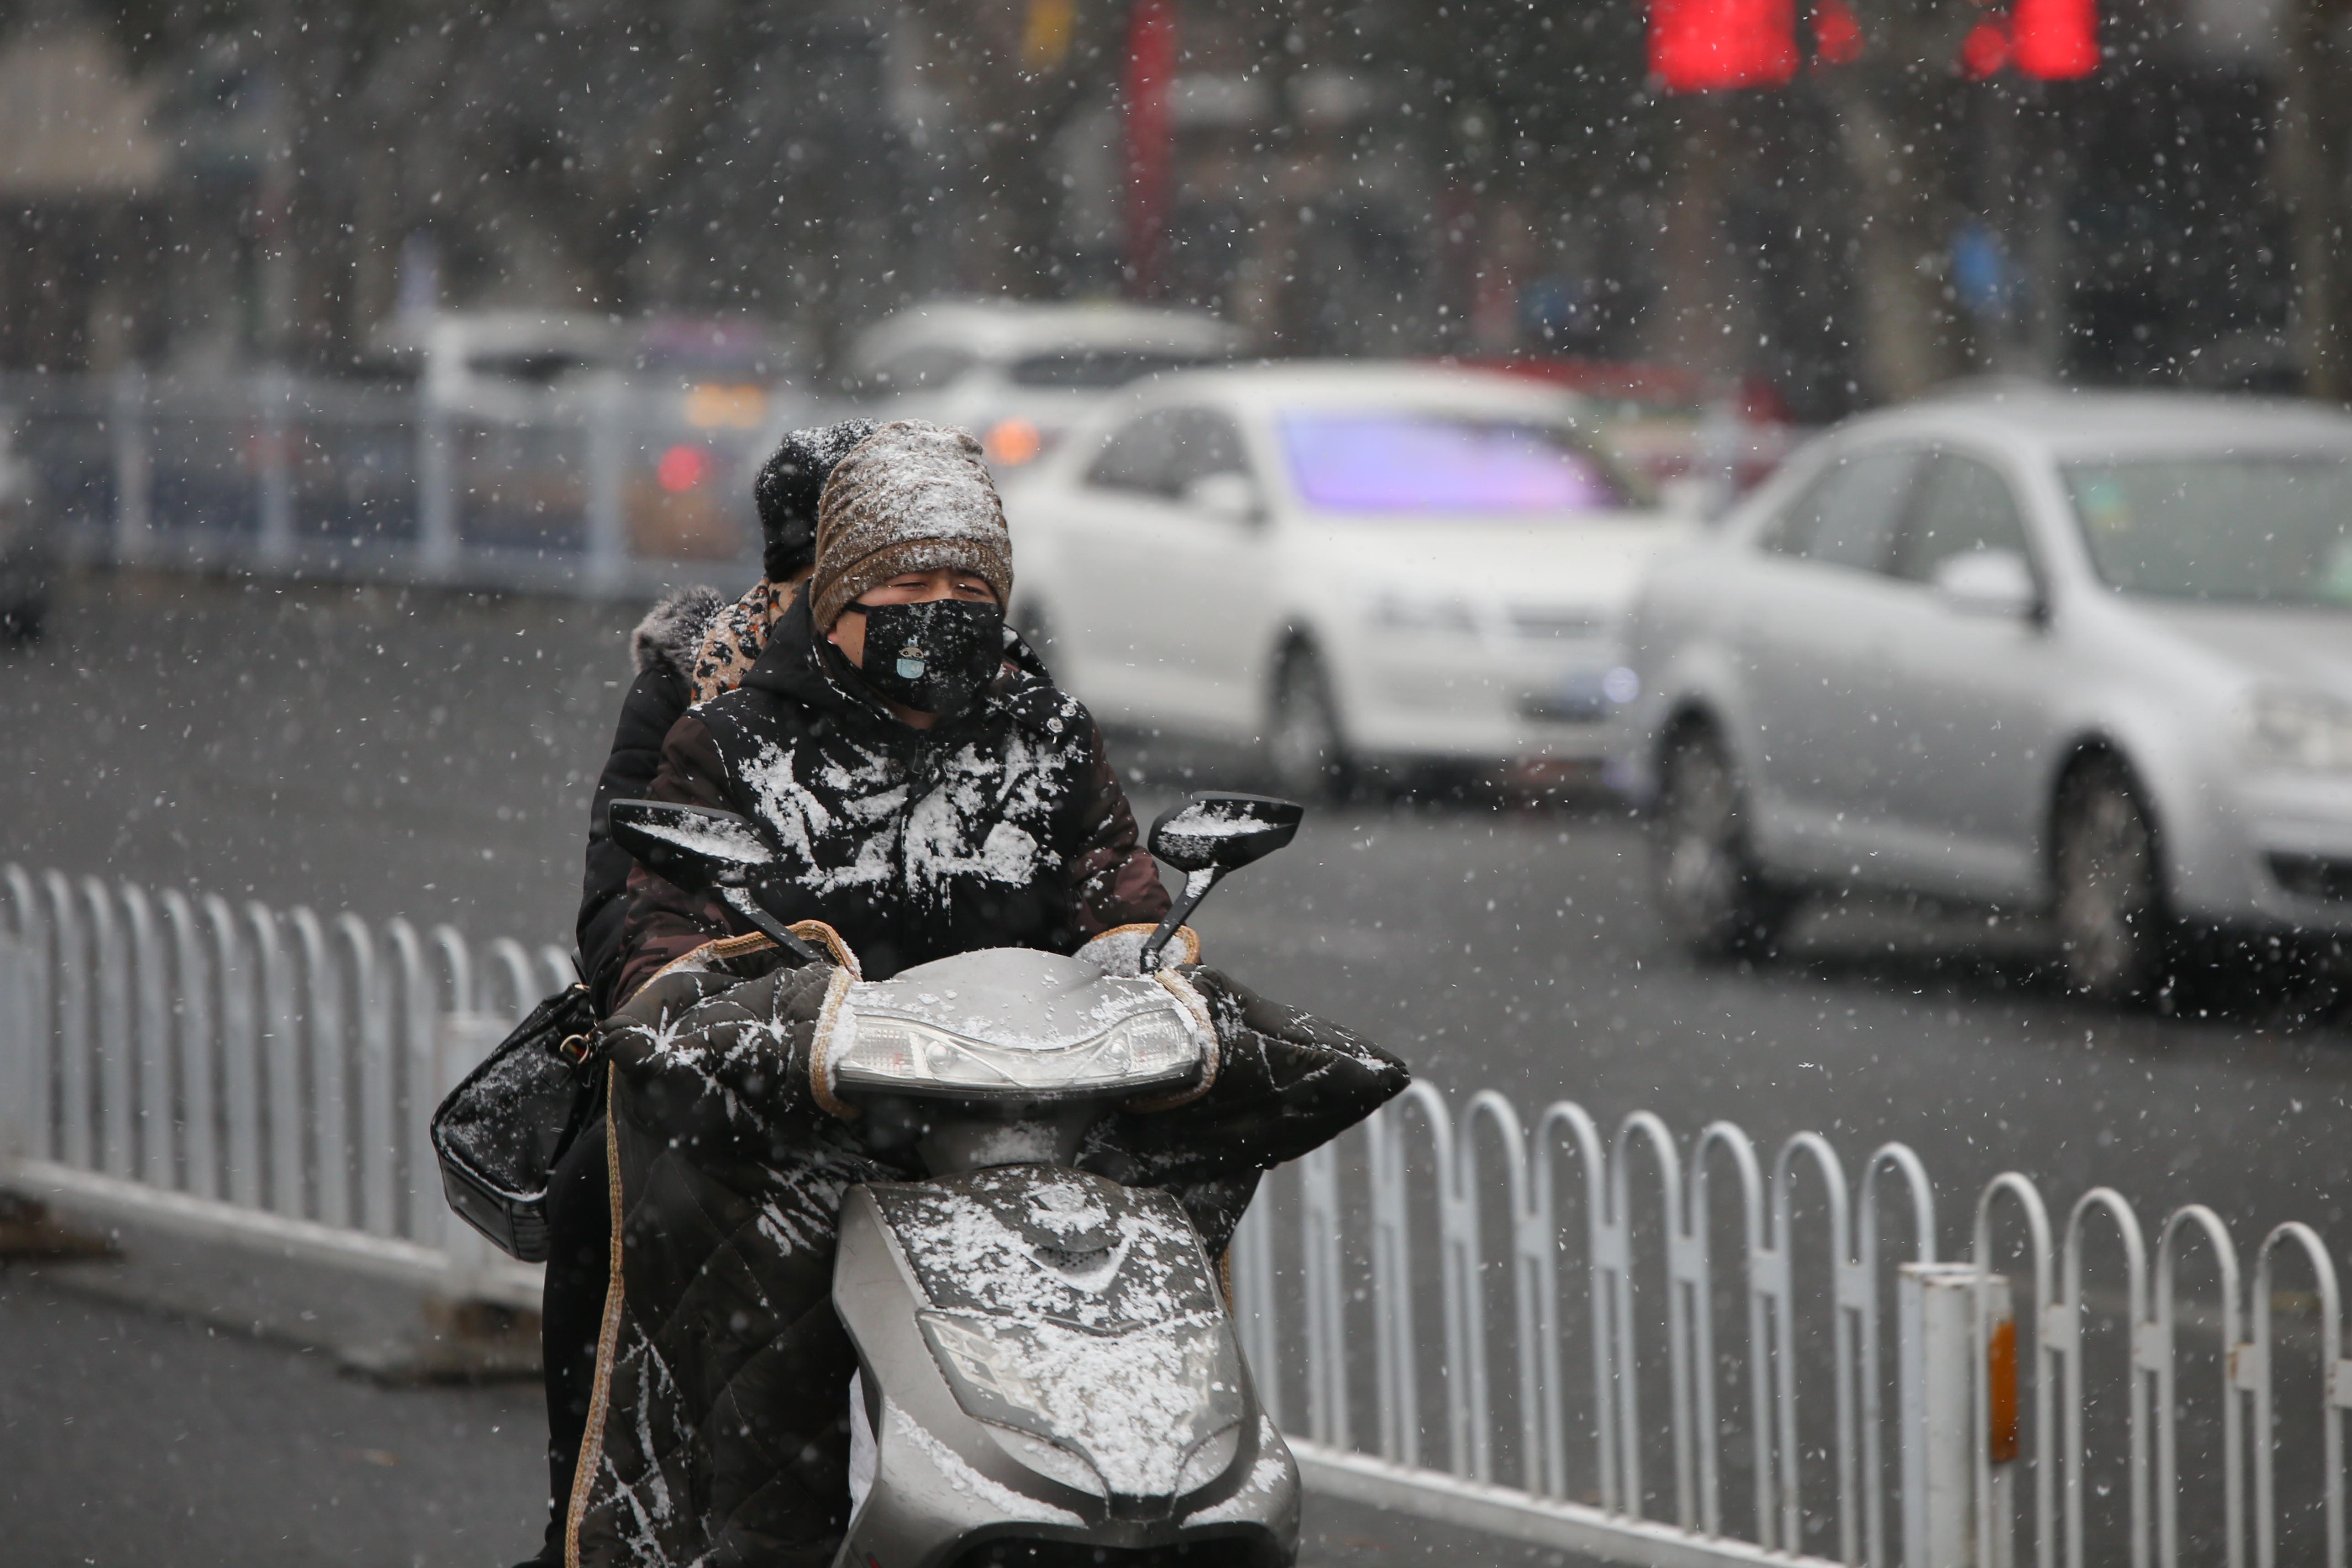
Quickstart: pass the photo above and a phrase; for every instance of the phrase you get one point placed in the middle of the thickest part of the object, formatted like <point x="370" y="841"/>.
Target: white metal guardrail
<point x="1340" y="1260"/>
<point x="258" y="1076"/>
<point x="1611" y="1344"/>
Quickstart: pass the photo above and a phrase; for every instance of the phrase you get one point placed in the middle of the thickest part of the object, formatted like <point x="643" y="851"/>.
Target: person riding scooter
<point x="932" y="792"/>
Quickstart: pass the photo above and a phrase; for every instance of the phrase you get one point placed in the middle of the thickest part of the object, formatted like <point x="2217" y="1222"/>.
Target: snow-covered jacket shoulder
<point x="1004" y="825"/>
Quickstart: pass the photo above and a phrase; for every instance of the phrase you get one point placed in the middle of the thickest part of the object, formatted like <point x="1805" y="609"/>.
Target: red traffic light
<point x="2054" y="40"/>
<point x="1710" y="45"/>
<point x="1707" y="45"/>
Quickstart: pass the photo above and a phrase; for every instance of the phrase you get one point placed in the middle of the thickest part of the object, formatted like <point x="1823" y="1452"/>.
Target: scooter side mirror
<point x="1224" y="832"/>
<point x="696" y="847"/>
<point x="1209" y="836"/>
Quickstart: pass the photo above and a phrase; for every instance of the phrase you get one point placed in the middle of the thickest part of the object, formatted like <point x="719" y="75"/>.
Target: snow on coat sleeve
<point x="722" y="1062"/>
<point x="1287" y="1082"/>
<point x="666" y="923"/>
<point x="1114" y="880"/>
<point x="724" y="1372"/>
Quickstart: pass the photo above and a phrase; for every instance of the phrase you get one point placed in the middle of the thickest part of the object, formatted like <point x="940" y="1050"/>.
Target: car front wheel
<point x="1305" y="752"/>
<point x="1711" y="897"/>
<point x="2109" y="906"/>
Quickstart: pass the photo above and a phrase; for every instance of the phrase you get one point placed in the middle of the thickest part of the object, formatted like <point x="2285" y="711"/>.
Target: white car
<point x="2086" y="653"/>
<point x="1345" y="562"/>
<point x="1018" y="376"/>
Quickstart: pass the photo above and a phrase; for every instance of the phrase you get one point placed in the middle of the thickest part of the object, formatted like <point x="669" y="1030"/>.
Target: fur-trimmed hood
<point x="673" y="631"/>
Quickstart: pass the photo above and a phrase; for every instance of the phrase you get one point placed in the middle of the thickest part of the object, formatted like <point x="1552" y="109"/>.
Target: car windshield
<point x="2272" y="529"/>
<point x="1404" y="461"/>
<point x="1095" y="368"/>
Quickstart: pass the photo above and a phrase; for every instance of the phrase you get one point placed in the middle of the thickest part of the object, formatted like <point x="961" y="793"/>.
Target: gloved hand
<point x="1119" y="950"/>
<point x="717" y="967"/>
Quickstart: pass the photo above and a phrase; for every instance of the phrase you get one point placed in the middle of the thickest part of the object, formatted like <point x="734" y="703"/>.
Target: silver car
<point x="2082" y="654"/>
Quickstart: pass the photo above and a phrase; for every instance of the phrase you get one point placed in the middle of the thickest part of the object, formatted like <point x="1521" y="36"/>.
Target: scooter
<point x="1047" y="1371"/>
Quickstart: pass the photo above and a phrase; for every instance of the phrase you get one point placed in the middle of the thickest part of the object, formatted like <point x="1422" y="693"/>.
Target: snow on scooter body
<point x="1046" y="1364"/>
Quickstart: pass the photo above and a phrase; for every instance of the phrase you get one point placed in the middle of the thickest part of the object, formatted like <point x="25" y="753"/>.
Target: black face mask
<point x="934" y="657"/>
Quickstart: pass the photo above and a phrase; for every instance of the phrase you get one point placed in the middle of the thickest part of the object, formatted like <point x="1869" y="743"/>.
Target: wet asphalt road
<point x="432" y="755"/>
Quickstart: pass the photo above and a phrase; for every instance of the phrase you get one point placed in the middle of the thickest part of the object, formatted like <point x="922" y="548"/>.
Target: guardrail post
<point x="275" y="477"/>
<point x="1326" y="1375"/>
<point x="16" y="1048"/>
<point x="134" y="469"/>
<point x="1252" y="1252"/>
<point x="608" y="545"/>
<point x="26" y="1001"/>
<point x="436" y="489"/>
<point x="1936" y="1386"/>
<point x="108" y="966"/>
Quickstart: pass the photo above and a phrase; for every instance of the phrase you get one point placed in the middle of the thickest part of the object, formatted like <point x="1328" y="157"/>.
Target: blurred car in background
<point x="27" y="546"/>
<point x="704" y="392"/>
<point x="1696" y="444"/>
<point x="2083" y="653"/>
<point x="692" y="395"/>
<point x="1343" y="563"/>
<point x="1020" y="375"/>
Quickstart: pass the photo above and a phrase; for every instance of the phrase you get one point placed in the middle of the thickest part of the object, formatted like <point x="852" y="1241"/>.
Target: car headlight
<point x="1135" y="1053"/>
<point x="2299" y="730"/>
<point x="1402" y="612"/>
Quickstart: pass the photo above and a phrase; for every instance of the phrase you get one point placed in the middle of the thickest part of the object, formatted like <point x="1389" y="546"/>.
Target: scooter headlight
<point x="1138" y="1052"/>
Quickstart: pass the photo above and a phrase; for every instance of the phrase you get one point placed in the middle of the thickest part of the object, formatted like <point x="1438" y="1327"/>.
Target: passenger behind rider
<point x="692" y="646"/>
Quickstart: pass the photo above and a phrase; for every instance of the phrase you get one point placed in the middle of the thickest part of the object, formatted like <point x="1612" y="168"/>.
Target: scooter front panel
<point x="1134" y="1404"/>
<point x="1059" y="1366"/>
<point x="1049" y="1243"/>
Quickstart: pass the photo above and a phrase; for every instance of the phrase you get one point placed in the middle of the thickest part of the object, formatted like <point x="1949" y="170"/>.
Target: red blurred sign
<point x="1150" y="68"/>
<point x="682" y="468"/>
<point x="1707" y="45"/>
<point x="1837" y="33"/>
<point x="1986" y="48"/>
<point x="2054" y="40"/>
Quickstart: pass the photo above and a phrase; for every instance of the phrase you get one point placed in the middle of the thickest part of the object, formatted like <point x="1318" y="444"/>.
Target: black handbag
<point x="500" y="1132"/>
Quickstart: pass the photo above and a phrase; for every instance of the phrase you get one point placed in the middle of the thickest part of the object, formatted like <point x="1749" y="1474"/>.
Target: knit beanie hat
<point x="787" y="488"/>
<point x="912" y="497"/>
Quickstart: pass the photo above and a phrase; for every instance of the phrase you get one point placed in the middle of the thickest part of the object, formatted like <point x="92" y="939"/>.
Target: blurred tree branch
<point x="2314" y="115"/>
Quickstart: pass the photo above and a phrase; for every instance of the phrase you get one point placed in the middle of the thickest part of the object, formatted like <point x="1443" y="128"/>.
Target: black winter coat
<point x="1004" y="825"/>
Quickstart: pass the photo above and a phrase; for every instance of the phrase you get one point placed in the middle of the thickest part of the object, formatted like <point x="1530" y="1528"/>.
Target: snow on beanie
<point x="788" y="488"/>
<point x="912" y="497"/>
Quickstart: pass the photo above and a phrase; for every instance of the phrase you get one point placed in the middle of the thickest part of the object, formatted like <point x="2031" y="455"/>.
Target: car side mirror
<point x="1996" y="583"/>
<point x="1208" y="836"/>
<point x="1229" y="495"/>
